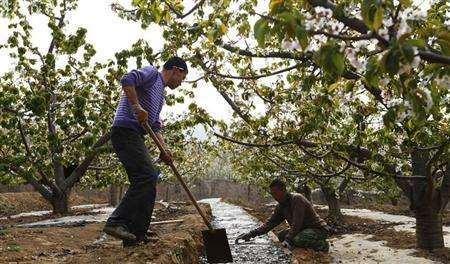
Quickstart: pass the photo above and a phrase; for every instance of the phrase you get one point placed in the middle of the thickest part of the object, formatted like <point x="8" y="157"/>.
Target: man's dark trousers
<point x="135" y="210"/>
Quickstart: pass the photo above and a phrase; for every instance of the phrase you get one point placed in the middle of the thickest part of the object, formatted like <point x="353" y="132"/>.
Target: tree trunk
<point x="426" y="201"/>
<point x="429" y="230"/>
<point x="121" y="191"/>
<point x="113" y="195"/>
<point x="304" y="190"/>
<point x="60" y="203"/>
<point x="394" y="201"/>
<point x="334" y="208"/>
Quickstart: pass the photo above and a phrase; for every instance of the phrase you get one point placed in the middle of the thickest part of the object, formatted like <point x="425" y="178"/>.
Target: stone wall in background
<point x="173" y="191"/>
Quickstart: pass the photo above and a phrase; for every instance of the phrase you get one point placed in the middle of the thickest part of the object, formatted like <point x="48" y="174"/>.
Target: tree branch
<point x="342" y="37"/>
<point x="44" y="177"/>
<point x="47" y="194"/>
<point x="72" y="138"/>
<point x="445" y="188"/>
<point x="333" y="174"/>
<point x="180" y="15"/>
<point x="321" y="156"/>
<point x="196" y="80"/>
<point x="359" y="26"/>
<point x="274" y="54"/>
<point x="435" y="157"/>
<point x="255" y="77"/>
<point x="84" y="165"/>
<point x="278" y="144"/>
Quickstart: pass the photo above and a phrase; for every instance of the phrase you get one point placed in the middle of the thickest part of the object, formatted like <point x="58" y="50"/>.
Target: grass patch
<point x="13" y="247"/>
<point x="3" y="232"/>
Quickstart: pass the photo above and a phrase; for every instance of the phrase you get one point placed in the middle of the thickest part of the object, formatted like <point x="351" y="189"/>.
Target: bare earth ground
<point x="15" y="203"/>
<point x="172" y="243"/>
<point x="353" y="224"/>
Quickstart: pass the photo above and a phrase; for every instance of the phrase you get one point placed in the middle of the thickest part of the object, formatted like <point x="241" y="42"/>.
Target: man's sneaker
<point x="119" y="232"/>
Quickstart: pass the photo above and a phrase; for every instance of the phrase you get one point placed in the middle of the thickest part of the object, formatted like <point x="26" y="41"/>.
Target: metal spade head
<point x="216" y="245"/>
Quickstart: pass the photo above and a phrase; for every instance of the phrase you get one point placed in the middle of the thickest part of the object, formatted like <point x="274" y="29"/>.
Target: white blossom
<point x="446" y="99"/>
<point x="405" y="111"/>
<point x="361" y="44"/>
<point x="394" y="102"/>
<point x="388" y="22"/>
<point x="404" y="68"/>
<point x="415" y="62"/>
<point x="418" y="14"/>
<point x="323" y="12"/>
<point x="428" y="99"/>
<point x="403" y="28"/>
<point x="288" y="44"/>
<point x="295" y="44"/>
<point x="443" y="81"/>
<point x="384" y="81"/>
<point x="384" y="33"/>
<point x="352" y="57"/>
<point x="309" y="24"/>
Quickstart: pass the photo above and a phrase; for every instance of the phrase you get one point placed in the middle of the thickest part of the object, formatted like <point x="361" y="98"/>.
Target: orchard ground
<point x="359" y="239"/>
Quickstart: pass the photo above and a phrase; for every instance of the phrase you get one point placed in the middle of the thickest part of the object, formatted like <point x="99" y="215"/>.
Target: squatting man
<point x="307" y="229"/>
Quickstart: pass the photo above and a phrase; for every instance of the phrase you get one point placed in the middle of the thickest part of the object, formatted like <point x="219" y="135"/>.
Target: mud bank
<point x="178" y="242"/>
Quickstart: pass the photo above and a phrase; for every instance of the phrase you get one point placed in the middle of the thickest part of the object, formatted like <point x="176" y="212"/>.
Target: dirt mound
<point x="15" y="203"/>
<point x="178" y="243"/>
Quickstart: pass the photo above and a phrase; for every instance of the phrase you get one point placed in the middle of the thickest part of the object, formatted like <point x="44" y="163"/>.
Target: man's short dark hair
<point x="176" y="62"/>
<point x="278" y="183"/>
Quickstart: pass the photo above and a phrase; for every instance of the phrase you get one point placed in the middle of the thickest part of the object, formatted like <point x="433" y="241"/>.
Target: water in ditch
<point x="236" y="221"/>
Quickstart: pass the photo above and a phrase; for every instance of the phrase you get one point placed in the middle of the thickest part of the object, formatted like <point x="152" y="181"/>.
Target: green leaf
<point x="407" y="52"/>
<point x="444" y="42"/>
<point x="415" y="42"/>
<point x="338" y="62"/>
<point x="260" y="29"/>
<point x="333" y="87"/>
<point x="391" y="62"/>
<point x="389" y="118"/>
<point x="378" y="18"/>
<point x="302" y="36"/>
<point x="405" y="3"/>
<point x="372" y="72"/>
<point x="372" y="13"/>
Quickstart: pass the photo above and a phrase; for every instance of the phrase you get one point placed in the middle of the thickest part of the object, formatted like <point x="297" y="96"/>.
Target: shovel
<point x="215" y="240"/>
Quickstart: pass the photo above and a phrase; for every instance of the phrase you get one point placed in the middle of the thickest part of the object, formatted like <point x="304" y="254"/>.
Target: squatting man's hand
<point x="245" y="237"/>
<point x="286" y="244"/>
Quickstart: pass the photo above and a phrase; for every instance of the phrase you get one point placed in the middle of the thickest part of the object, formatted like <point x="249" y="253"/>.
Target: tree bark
<point x="304" y="190"/>
<point x="334" y="208"/>
<point x="394" y="201"/>
<point x="426" y="205"/>
<point x="429" y="230"/>
<point x="113" y="195"/>
<point x="60" y="203"/>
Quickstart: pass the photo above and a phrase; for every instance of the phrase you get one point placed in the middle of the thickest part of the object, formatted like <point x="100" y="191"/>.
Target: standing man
<point x="141" y="102"/>
<point x="307" y="229"/>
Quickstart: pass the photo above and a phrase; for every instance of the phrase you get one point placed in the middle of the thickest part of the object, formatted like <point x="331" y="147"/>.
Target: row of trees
<point x="57" y="106"/>
<point x="352" y="92"/>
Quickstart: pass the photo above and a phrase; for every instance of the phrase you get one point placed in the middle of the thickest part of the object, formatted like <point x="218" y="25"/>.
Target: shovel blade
<point x="216" y="246"/>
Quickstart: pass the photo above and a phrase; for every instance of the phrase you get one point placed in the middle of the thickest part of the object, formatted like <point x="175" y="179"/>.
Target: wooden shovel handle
<point x="178" y="175"/>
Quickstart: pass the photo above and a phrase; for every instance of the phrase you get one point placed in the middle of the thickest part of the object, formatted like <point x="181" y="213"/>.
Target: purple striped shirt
<point x="149" y="87"/>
